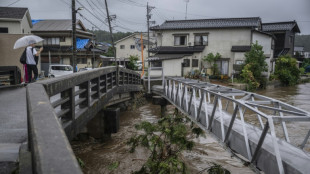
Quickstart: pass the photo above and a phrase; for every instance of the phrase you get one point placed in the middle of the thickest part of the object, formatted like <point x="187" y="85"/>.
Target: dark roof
<point x="12" y="12"/>
<point x="281" y="26"/>
<point x="252" y="22"/>
<point x="243" y="48"/>
<point x="159" y="57"/>
<point x="177" y="50"/>
<point x="53" y="25"/>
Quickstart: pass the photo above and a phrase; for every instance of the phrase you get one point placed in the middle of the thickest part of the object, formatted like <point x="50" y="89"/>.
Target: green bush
<point x="287" y="71"/>
<point x="254" y="66"/>
<point x="302" y="70"/>
<point x="211" y="59"/>
<point x="132" y="62"/>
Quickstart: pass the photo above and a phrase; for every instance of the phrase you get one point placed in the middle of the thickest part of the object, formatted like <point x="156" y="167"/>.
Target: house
<point x="131" y="45"/>
<point x="14" y="23"/>
<point x="284" y="33"/>
<point x="182" y="44"/>
<point x="15" y="20"/>
<point x="57" y="35"/>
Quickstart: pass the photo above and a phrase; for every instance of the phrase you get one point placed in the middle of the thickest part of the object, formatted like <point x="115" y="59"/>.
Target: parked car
<point x="59" y="70"/>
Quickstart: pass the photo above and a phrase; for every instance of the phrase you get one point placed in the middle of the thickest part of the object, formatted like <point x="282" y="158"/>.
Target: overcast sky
<point x="131" y="14"/>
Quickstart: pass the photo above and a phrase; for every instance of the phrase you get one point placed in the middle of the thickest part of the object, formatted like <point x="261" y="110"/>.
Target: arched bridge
<point x="56" y="110"/>
<point x="261" y="129"/>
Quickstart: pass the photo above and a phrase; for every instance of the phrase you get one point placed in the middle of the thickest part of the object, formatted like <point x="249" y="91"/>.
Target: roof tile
<point x="12" y="12"/>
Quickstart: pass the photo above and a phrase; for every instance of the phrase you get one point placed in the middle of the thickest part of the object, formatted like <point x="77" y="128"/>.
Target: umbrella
<point x="27" y="40"/>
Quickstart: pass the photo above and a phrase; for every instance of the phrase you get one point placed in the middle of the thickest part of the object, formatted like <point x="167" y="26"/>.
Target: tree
<point x="254" y="66"/>
<point x="133" y="62"/>
<point x="286" y="70"/>
<point x="166" y="140"/>
<point x="110" y="52"/>
<point x="211" y="59"/>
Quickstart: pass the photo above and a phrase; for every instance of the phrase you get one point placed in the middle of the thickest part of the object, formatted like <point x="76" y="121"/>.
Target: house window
<point x="62" y="39"/>
<point x="180" y="40"/>
<point x="156" y="64"/>
<point x="194" y="62"/>
<point x="4" y="30"/>
<point x="239" y="62"/>
<point x="122" y="46"/>
<point x="201" y="40"/>
<point x="222" y="66"/>
<point x="132" y="47"/>
<point x="290" y="39"/>
<point x="186" y="63"/>
<point x="51" y="41"/>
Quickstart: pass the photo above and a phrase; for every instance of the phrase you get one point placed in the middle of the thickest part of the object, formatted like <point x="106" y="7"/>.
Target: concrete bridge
<point x="38" y="120"/>
<point x="254" y="126"/>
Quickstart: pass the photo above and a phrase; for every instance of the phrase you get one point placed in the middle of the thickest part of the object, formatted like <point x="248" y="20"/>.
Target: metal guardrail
<point x="150" y="78"/>
<point x="66" y="104"/>
<point x="193" y="97"/>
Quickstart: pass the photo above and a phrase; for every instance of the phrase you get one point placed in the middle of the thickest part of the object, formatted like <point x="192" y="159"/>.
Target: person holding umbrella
<point x="29" y="54"/>
<point x="31" y="62"/>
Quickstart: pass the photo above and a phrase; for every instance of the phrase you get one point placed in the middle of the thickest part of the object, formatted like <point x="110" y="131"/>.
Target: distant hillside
<point x="303" y="40"/>
<point x="104" y="36"/>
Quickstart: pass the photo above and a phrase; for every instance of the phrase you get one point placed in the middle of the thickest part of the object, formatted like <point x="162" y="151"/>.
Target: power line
<point x="83" y="17"/>
<point x="131" y="3"/>
<point x="13" y="3"/>
<point x="93" y="14"/>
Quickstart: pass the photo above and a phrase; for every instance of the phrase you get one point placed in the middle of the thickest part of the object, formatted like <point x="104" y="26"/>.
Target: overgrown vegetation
<point x="211" y="59"/>
<point x="254" y="65"/>
<point x="165" y="140"/>
<point x="132" y="64"/>
<point x="286" y="70"/>
<point x="110" y="52"/>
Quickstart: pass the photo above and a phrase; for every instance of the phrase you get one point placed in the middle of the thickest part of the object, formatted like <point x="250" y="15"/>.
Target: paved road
<point x="13" y="122"/>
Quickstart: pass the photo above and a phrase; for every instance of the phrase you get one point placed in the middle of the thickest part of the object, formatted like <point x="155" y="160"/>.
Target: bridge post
<point x="157" y="100"/>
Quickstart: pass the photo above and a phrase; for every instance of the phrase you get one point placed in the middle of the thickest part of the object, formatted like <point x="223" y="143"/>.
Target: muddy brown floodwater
<point x="113" y="156"/>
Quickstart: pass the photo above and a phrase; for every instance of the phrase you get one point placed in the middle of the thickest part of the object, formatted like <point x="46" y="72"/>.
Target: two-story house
<point x="284" y="33"/>
<point x="15" y="20"/>
<point x="182" y="44"/>
<point x="57" y="35"/>
<point x="131" y="46"/>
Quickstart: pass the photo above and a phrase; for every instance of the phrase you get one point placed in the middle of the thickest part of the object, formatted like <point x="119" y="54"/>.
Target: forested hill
<point x="104" y="36"/>
<point x="303" y="40"/>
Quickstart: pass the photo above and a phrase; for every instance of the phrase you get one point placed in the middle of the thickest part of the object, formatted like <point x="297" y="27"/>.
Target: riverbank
<point x="113" y="156"/>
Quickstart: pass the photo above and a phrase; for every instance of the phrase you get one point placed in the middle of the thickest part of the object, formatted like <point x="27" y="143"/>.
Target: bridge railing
<point x="62" y="106"/>
<point x="193" y="97"/>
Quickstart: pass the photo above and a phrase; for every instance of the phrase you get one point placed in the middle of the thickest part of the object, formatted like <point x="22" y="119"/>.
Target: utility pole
<point x="113" y="47"/>
<point x="73" y="36"/>
<point x="186" y="1"/>
<point x="148" y="17"/>
<point x="93" y="41"/>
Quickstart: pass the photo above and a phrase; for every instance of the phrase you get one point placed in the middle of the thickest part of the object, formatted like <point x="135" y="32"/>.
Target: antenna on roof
<point x="186" y="1"/>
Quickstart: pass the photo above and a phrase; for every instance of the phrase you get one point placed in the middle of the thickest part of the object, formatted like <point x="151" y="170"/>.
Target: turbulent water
<point x="113" y="156"/>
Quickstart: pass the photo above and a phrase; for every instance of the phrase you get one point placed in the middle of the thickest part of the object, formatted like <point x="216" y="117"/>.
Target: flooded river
<point x="113" y="156"/>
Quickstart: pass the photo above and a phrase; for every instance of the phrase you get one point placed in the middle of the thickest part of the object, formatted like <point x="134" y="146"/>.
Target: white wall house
<point x="15" y="20"/>
<point x="182" y="44"/>
<point x="131" y="45"/>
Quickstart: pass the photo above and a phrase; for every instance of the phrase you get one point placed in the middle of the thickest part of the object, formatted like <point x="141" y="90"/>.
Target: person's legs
<point x="29" y="70"/>
<point x="35" y="72"/>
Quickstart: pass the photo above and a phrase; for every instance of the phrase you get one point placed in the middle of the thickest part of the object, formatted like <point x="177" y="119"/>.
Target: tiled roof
<point x="53" y="25"/>
<point x="177" y="50"/>
<point x="280" y="26"/>
<point x="252" y="22"/>
<point x="12" y="12"/>
<point x="243" y="48"/>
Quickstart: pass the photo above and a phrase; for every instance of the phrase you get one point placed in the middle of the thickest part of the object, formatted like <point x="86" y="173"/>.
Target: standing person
<point x="31" y="62"/>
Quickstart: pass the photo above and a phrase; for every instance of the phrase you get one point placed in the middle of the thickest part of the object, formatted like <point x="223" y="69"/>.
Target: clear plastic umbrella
<point x="27" y="40"/>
